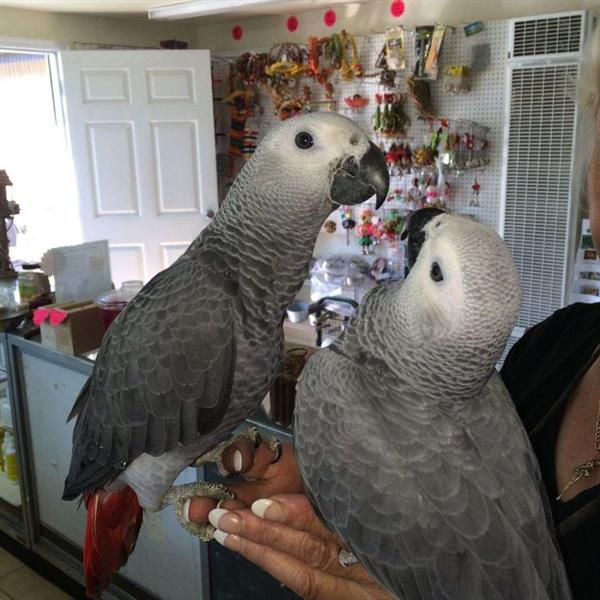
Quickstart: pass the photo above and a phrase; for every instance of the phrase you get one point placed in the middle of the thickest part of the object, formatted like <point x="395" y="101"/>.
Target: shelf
<point x="9" y="490"/>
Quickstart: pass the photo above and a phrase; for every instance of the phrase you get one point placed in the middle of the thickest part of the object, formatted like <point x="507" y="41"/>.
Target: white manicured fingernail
<point x="220" y="503"/>
<point x="260" y="506"/>
<point x="220" y="536"/>
<point x="237" y="461"/>
<point x="215" y="514"/>
<point x="186" y="510"/>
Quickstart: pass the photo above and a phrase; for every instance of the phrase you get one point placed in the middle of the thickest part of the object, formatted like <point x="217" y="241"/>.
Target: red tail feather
<point x="113" y="523"/>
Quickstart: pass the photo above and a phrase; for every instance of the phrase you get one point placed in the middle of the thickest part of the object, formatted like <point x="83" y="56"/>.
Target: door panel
<point x="142" y="138"/>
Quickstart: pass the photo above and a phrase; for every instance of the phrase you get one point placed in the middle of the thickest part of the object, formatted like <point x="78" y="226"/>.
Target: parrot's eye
<point x="304" y="140"/>
<point x="436" y="272"/>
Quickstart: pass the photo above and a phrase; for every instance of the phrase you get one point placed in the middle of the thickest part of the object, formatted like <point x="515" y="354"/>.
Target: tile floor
<point x="19" y="582"/>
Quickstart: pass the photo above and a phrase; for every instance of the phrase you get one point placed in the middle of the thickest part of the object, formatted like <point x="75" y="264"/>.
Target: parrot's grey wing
<point x="163" y="375"/>
<point x="392" y="490"/>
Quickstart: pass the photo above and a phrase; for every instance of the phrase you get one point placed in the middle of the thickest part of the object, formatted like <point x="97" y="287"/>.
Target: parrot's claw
<point x="274" y="445"/>
<point x="252" y="434"/>
<point x="178" y="495"/>
<point x="214" y="456"/>
<point x="270" y="441"/>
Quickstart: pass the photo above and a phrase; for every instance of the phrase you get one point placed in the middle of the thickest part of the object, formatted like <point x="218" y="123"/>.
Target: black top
<point x="540" y="372"/>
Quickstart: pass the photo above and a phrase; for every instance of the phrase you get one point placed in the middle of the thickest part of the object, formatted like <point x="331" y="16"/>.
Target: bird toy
<point x="330" y="226"/>
<point x="357" y="101"/>
<point x="475" y="195"/>
<point x="366" y="231"/>
<point x="348" y="222"/>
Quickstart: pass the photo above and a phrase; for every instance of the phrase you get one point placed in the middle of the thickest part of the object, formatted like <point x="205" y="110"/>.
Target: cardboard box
<point x="71" y="327"/>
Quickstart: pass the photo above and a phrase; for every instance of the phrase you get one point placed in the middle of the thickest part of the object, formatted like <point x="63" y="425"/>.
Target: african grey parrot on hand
<point x="408" y="441"/>
<point x="195" y="351"/>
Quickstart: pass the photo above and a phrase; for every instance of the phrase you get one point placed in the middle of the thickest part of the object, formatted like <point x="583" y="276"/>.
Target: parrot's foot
<point x="178" y="495"/>
<point x="253" y="435"/>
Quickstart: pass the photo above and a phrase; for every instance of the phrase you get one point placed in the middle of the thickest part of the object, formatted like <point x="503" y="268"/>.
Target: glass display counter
<point x="168" y="563"/>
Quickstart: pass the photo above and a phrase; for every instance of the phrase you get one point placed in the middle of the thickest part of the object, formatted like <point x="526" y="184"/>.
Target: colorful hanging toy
<point x="475" y="195"/>
<point x="336" y="51"/>
<point x="393" y="120"/>
<point x="286" y="64"/>
<point x="348" y="222"/>
<point x="330" y="226"/>
<point x="366" y="231"/>
<point x="393" y="224"/>
<point x="242" y="138"/>
<point x="357" y="101"/>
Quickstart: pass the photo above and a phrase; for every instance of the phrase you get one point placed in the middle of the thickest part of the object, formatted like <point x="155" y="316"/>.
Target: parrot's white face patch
<point x="435" y="283"/>
<point x="319" y="141"/>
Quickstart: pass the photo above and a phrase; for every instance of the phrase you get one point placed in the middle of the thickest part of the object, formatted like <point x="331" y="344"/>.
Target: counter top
<point x="30" y="342"/>
<point x="296" y="334"/>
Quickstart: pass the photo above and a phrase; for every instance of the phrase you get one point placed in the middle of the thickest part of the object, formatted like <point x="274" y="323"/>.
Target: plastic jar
<point x="113" y="302"/>
<point x="33" y="282"/>
<point x="11" y="465"/>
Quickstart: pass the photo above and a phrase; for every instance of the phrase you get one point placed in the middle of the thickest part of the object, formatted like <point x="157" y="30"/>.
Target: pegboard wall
<point x="485" y="104"/>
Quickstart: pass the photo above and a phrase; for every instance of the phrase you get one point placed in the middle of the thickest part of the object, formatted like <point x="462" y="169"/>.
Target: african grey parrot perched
<point x="195" y="351"/>
<point x="408" y="442"/>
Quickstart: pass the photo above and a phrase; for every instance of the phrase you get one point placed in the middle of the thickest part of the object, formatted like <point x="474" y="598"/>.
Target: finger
<point x="269" y="479"/>
<point x="238" y="457"/>
<point x="311" y="550"/>
<point x="231" y="504"/>
<point x="249" y="491"/>
<point x="296" y="511"/>
<point x="199" y="507"/>
<point x="262" y="460"/>
<point x="306" y="582"/>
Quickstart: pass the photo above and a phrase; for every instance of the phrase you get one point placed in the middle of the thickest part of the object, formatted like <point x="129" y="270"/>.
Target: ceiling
<point x="139" y="8"/>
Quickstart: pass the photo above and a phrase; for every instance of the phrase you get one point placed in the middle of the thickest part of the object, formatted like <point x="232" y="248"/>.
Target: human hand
<point x="284" y="537"/>
<point x="282" y="534"/>
<point x="264" y="477"/>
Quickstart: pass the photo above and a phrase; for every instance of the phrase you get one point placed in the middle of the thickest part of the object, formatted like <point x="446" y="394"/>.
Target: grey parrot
<point x="408" y="442"/>
<point x="196" y="350"/>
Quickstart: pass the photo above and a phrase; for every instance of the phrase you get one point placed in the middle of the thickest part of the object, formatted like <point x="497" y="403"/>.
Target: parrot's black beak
<point x="356" y="181"/>
<point x="414" y="232"/>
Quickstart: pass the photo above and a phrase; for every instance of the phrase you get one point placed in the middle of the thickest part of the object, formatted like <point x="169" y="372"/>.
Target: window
<point x="33" y="151"/>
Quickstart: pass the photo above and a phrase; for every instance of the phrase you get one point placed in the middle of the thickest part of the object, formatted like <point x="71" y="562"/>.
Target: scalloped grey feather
<point x="409" y="444"/>
<point x="195" y="352"/>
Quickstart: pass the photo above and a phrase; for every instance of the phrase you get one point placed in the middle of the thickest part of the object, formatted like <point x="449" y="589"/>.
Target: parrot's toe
<point x="215" y="456"/>
<point x="251" y="436"/>
<point x="270" y="441"/>
<point x="274" y="445"/>
<point x="178" y="495"/>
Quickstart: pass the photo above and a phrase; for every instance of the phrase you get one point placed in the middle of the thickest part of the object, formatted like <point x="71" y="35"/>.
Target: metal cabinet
<point x="11" y="494"/>
<point x="168" y="563"/>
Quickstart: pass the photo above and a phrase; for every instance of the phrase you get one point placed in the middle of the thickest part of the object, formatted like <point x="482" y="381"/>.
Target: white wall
<point x="374" y="16"/>
<point x="63" y="29"/>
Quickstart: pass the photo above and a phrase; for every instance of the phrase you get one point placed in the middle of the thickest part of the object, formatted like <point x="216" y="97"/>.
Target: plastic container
<point x="297" y="312"/>
<point x="5" y="410"/>
<point x="10" y="300"/>
<point x="11" y="466"/>
<point x="113" y="302"/>
<point x="33" y="283"/>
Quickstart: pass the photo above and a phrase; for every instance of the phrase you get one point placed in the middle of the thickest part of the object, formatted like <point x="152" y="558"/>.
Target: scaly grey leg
<point x="178" y="495"/>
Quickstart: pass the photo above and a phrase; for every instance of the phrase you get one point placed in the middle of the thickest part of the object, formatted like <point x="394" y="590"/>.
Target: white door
<point x="143" y="143"/>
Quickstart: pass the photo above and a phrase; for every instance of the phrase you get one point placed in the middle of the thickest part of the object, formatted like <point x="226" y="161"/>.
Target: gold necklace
<point x="587" y="468"/>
